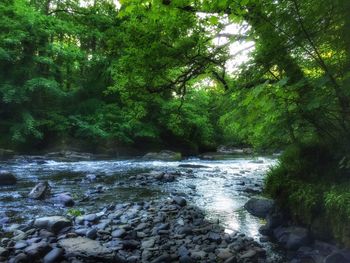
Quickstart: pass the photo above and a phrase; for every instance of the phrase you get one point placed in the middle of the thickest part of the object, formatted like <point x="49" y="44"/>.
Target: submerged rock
<point x="41" y="191"/>
<point x="7" y="178"/>
<point x="163" y="156"/>
<point x="259" y="206"/>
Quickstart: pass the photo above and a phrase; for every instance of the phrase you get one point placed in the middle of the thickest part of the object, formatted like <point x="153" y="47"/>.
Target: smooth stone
<point x="85" y="248"/>
<point x="92" y="233"/>
<point x="119" y="233"/>
<point x="54" y="255"/>
<point x="224" y="254"/>
<point x="180" y="201"/>
<point x="259" y="206"/>
<point x="149" y="243"/>
<point x="37" y="249"/>
<point x="52" y="223"/>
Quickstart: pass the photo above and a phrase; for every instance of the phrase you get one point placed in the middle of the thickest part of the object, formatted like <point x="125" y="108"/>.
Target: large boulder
<point x="7" y="178"/>
<point x="41" y="191"/>
<point x="52" y="223"/>
<point x="259" y="206"/>
<point x="86" y="249"/>
<point x="292" y="237"/>
<point x="163" y="156"/>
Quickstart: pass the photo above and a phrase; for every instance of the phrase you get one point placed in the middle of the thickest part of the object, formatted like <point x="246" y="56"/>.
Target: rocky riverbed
<point x="170" y="230"/>
<point x="129" y="203"/>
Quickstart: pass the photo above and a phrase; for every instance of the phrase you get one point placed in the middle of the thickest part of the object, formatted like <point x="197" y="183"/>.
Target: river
<point x="220" y="188"/>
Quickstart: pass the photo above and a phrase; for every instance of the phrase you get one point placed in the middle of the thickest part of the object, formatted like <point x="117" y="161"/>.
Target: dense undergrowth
<point x="312" y="187"/>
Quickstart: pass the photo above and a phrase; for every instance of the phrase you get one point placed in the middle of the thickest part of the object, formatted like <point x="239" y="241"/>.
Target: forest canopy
<point x="152" y="72"/>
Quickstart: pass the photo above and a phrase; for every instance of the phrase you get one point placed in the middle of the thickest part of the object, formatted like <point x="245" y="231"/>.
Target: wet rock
<point x="180" y="201"/>
<point x="20" y="245"/>
<point x="64" y="199"/>
<point x="55" y="255"/>
<point x="52" y="223"/>
<point x="7" y="178"/>
<point x="41" y="191"/>
<point x="86" y="249"/>
<point x="37" y="249"/>
<point x="259" y="206"/>
<point x="163" y="156"/>
<point x="193" y="166"/>
<point x="149" y="243"/>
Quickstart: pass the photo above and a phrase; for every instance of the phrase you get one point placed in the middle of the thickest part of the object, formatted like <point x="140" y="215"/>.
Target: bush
<point x="307" y="186"/>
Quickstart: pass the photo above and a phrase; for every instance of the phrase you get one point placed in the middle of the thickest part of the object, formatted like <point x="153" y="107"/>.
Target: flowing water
<point x="221" y="188"/>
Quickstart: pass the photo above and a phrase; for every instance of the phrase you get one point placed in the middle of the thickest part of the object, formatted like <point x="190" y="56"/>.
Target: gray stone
<point x="7" y="178"/>
<point x="37" y="249"/>
<point x="40" y="191"/>
<point x="92" y="233"/>
<point x="119" y="233"/>
<point x="86" y="249"/>
<point x="180" y="201"/>
<point x="259" y="206"/>
<point x="64" y="199"/>
<point x="52" y="223"/>
<point x="292" y="237"/>
<point x="55" y="255"/>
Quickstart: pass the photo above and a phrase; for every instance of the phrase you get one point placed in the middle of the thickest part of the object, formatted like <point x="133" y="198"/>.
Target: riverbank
<point x="168" y="230"/>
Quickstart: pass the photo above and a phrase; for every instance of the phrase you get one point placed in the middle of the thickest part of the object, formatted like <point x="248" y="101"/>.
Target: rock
<point x="92" y="233"/>
<point x="259" y="206"/>
<point x="292" y="237"/>
<point x="21" y="258"/>
<point x="180" y="201"/>
<point x="214" y="237"/>
<point x="119" y="233"/>
<point x="231" y="260"/>
<point x="149" y="243"/>
<point x="3" y="252"/>
<point x="248" y="254"/>
<point x="40" y="191"/>
<point x="163" y="156"/>
<point x="224" y="254"/>
<point x="52" y="223"/>
<point x="130" y="244"/>
<point x="193" y="166"/>
<point x="86" y="249"/>
<point x="7" y="178"/>
<point x="37" y="249"/>
<point x="55" y="255"/>
<point x="336" y="258"/>
<point x="64" y="199"/>
<point x="6" y="154"/>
